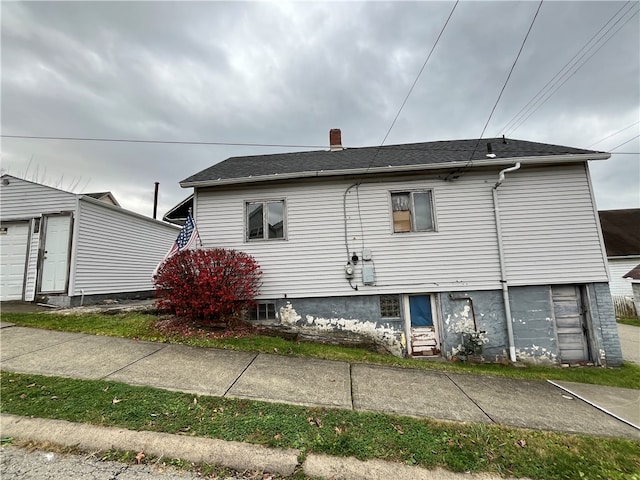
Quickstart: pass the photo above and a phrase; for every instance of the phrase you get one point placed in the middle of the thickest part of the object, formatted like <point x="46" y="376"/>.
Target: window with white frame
<point x="412" y="211"/>
<point x="265" y="220"/>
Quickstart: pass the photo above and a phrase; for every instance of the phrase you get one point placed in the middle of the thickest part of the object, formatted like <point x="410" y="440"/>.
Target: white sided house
<point x="68" y="249"/>
<point x="621" y="232"/>
<point x="489" y="248"/>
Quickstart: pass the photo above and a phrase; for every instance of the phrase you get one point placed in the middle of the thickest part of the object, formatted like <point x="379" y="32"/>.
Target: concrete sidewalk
<point x="323" y="383"/>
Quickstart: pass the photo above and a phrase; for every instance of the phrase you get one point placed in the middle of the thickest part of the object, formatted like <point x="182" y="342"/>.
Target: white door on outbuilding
<point x="55" y="259"/>
<point x="13" y="257"/>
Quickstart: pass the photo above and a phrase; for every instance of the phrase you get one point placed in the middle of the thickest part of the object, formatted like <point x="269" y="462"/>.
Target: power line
<point x="624" y="143"/>
<point x="517" y="115"/>
<point x="419" y="147"/>
<point x="555" y="87"/>
<point x="414" y="83"/>
<point x="501" y="92"/>
<point x="613" y="134"/>
<point x="170" y="142"/>
<point x="420" y="72"/>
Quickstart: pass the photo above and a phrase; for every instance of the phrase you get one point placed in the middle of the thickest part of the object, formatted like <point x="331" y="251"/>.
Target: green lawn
<point x="454" y="446"/>
<point x="629" y="321"/>
<point x="142" y="327"/>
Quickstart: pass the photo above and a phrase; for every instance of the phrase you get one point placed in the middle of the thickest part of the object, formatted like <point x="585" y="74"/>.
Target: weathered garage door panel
<point x="571" y="328"/>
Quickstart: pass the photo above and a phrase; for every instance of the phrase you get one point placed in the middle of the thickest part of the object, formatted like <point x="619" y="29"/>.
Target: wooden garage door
<point x="570" y="323"/>
<point x="13" y="257"/>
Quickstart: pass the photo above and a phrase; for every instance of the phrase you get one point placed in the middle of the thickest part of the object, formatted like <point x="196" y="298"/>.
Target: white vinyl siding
<point x="22" y="200"/>
<point x="617" y="268"/>
<point x="311" y="262"/>
<point x="117" y="251"/>
<point x="549" y="227"/>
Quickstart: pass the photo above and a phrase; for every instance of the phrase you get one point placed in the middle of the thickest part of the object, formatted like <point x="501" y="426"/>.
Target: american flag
<point x="186" y="238"/>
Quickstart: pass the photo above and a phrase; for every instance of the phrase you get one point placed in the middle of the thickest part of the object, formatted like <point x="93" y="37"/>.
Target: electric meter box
<point x="368" y="274"/>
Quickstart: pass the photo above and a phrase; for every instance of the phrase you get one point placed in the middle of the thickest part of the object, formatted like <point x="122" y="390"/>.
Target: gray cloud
<point x="287" y="73"/>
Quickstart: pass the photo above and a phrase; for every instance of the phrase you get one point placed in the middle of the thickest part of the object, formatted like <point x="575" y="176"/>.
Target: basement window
<point x="390" y="306"/>
<point x="263" y="311"/>
<point x="412" y="211"/>
<point x="265" y="220"/>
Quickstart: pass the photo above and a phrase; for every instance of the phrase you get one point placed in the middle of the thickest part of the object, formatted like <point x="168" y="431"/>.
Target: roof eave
<point x="533" y="160"/>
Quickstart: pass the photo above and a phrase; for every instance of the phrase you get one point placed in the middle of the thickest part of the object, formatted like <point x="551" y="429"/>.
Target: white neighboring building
<point x="621" y="232"/>
<point x="65" y="249"/>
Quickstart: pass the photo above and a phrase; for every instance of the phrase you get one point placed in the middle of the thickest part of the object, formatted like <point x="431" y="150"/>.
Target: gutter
<point x="503" y="267"/>
<point x="536" y="160"/>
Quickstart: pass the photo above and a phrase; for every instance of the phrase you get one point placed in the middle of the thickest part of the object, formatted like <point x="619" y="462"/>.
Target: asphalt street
<point x="19" y="463"/>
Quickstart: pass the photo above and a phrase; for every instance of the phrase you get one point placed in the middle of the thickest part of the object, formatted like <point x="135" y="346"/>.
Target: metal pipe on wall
<point x="503" y="267"/>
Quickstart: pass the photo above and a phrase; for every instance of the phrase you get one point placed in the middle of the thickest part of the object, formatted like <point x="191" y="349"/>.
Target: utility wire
<point x="375" y="155"/>
<point x="499" y="96"/>
<point x="171" y="142"/>
<point x="549" y="95"/>
<point x="125" y="140"/>
<point x="503" y="129"/>
<point x="403" y="147"/>
<point x="414" y="84"/>
<point x="533" y="105"/>
<point x="613" y="134"/>
<point x="624" y="143"/>
<point x="420" y="72"/>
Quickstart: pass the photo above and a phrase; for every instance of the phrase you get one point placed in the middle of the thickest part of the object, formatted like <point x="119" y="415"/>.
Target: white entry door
<point x="13" y="256"/>
<point x="55" y="257"/>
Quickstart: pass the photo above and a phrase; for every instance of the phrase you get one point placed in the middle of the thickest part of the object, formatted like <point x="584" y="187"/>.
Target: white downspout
<point x="503" y="268"/>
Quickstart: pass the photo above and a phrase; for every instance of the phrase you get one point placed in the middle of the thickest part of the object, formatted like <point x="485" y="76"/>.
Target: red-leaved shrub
<point x="207" y="285"/>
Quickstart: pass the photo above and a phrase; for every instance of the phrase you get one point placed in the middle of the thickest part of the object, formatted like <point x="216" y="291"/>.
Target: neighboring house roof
<point x="178" y="214"/>
<point x="634" y="274"/>
<point x="394" y="158"/>
<point x="106" y="197"/>
<point x="621" y="231"/>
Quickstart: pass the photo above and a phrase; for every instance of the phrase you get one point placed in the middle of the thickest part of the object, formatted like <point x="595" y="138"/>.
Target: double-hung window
<point x="265" y="220"/>
<point x="412" y="211"/>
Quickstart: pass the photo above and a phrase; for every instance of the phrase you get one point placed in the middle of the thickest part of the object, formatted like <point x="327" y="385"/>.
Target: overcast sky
<point x="286" y="73"/>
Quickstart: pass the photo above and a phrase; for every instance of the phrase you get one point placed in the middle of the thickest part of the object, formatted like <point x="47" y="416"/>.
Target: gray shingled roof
<point x="428" y="153"/>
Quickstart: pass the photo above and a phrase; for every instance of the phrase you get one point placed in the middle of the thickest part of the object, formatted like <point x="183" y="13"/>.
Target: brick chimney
<point x="335" y="139"/>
